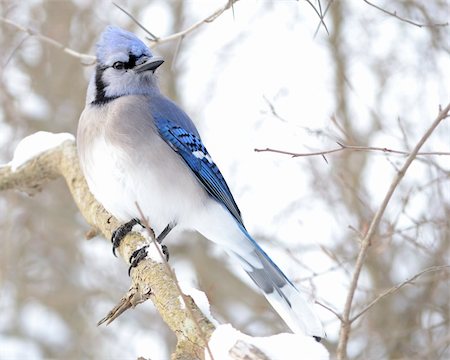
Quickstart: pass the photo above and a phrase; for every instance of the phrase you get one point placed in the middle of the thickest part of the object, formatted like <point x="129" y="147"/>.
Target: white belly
<point x="165" y="189"/>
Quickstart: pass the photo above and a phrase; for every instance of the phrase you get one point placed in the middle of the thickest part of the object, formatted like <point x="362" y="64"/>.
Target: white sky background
<point x="232" y="64"/>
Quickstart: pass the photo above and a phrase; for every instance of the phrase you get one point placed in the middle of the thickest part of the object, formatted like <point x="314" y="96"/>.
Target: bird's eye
<point x="118" y="65"/>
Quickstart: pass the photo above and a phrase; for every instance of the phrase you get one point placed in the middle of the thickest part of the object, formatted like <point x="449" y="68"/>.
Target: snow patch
<point x="35" y="144"/>
<point x="182" y="304"/>
<point x="154" y="253"/>
<point x="276" y="347"/>
<point x="141" y="230"/>
<point x="200" y="300"/>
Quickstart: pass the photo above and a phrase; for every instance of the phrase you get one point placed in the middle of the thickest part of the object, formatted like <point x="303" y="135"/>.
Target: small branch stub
<point x="132" y="298"/>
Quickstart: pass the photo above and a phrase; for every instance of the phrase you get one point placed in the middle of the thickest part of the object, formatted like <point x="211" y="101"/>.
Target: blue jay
<point x="137" y="146"/>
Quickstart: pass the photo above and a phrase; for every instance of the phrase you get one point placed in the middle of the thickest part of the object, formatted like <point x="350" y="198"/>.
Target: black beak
<point x="149" y="65"/>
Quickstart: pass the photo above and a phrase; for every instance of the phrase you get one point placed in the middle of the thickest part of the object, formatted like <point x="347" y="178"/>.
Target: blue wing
<point x="194" y="153"/>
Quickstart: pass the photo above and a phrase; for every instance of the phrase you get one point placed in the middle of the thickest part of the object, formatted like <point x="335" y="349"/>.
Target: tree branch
<point x="343" y="147"/>
<point x="85" y="58"/>
<point x="394" y="14"/>
<point x="366" y="241"/>
<point x="149" y="280"/>
<point x="398" y="287"/>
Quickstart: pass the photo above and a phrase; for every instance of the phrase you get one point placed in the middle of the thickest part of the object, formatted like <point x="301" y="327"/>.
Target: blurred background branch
<point x="395" y="15"/>
<point x="366" y="241"/>
<point x="87" y="59"/>
<point x="398" y="287"/>
<point x="343" y="147"/>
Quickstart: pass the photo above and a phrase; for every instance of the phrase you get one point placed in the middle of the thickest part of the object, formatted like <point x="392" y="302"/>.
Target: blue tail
<point x="291" y="305"/>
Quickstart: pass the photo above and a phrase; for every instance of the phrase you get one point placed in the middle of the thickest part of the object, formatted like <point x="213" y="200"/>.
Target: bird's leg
<point x="141" y="253"/>
<point x="165" y="232"/>
<point x="162" y="236"/>
<point x="122" y="231"/>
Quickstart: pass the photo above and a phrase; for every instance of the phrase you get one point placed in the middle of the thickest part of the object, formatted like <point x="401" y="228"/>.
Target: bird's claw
<point x="165" y="252"/>
<point x="141" y="253"/>
<point x="121" y="232"/>
<point x="137" y="256"/>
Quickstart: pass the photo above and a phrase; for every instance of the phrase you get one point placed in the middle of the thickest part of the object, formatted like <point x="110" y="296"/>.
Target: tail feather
<point x="290" y="304"/>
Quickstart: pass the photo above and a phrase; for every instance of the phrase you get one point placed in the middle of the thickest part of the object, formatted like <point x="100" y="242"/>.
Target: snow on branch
<point x="229" y="343"/>
<point x="36" y="144"/>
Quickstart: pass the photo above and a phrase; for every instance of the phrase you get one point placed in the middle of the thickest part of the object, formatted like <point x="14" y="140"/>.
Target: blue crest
<point x="116" y="44"/>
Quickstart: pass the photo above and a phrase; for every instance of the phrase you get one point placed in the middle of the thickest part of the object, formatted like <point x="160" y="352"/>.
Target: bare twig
<point x="398" y="287"/>
<point x="330" y="309"/>
<point x="16" y="48"/>
<point x="273" y="111"/>
<point x="394" y="14"/>
<point x="85" y="58"/>
<point x="319" y="14"/>
<point x="366" y="241"/>
<point x="153" y="36"/>
<point x="195" y="26"/>
<point x="344" y="147"/>
<point x="131" y="299"/>
<point x="323" y="16"/>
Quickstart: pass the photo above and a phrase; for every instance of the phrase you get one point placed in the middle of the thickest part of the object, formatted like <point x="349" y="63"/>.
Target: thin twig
<point x="398" y="287"/>
<point x="193" y="27"/>
<point x="174" y="278"/>
<point x="319" y="14"/>
<point x="273" y="110"/>
<point x="366" y="241"/>
<point x="232" y="8"/>
<point x="344" y="147"/>
<point x="394" y="14"/>
<point x="88" y="59"/>
<point x="321" y="20"/>
<point x="330" y="309"/>
<point x="14" y="51"/>
<point x="153" y="36"/>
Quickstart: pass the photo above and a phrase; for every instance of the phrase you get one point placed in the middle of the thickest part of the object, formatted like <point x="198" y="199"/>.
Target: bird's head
<point x="125" y="66"/>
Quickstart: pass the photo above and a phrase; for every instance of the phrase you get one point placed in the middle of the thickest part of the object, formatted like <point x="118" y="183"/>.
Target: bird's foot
<point x="142" y="253"/>
<point x="122" y="231"/>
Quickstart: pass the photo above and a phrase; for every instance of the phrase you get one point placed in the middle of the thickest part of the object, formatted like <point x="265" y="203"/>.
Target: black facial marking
<point x="99" y="84"/>
<point x="100" y="96"/>
<point x="131" y="62"/>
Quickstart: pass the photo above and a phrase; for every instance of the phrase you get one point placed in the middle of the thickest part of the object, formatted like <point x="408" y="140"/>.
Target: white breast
<point x="108" y="180"/>
<point x="155" y="177"/>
